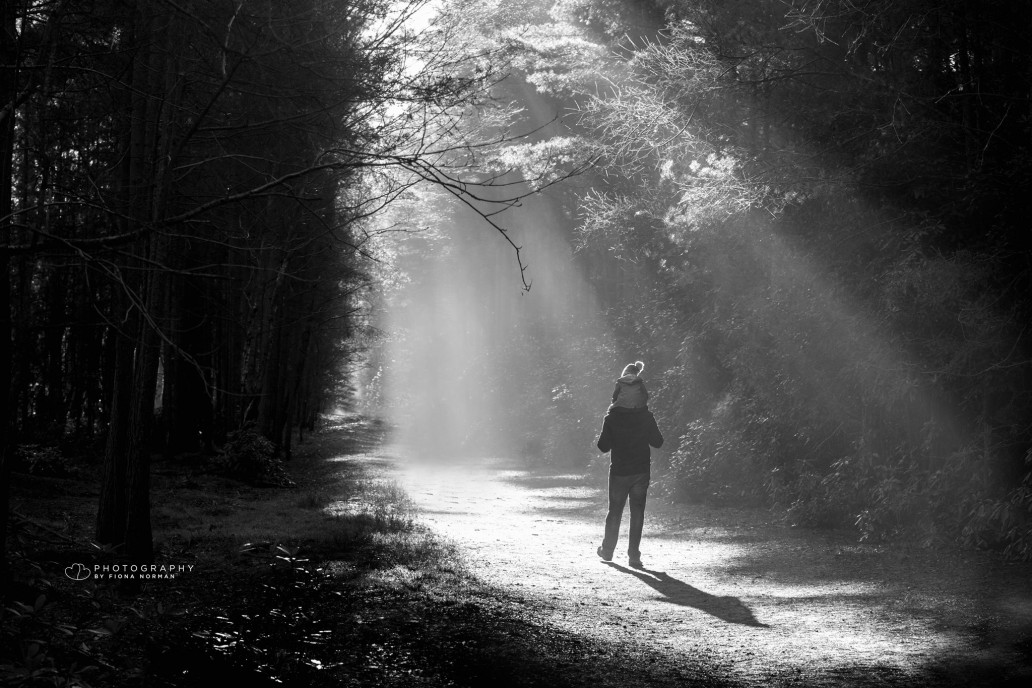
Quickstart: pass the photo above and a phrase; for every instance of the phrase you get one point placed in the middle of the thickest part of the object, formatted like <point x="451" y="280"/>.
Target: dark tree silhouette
<point x="184" y="190"/>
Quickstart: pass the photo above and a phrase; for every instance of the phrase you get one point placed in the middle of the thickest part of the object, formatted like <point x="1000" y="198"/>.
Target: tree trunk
<point x="8" y="86"/>
<point x="124" y="511"/>
<point x="112" y="506"/>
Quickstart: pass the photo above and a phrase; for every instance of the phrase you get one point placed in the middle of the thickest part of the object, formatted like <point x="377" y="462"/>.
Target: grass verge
<point x="270" y="586"/>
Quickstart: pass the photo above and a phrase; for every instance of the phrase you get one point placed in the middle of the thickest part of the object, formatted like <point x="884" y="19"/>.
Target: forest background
<point x="808" y="217"/>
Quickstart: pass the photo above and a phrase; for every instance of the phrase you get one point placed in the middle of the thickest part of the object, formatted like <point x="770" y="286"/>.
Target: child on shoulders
<point x="630" y="393"/>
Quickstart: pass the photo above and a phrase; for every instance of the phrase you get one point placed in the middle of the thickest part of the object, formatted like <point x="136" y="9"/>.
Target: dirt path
<point x="758" y="602"/>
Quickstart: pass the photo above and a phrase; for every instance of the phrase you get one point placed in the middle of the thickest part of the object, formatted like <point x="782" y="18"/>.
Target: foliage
<point x="250" y="456"/>
<point x="41" y="460"/>
<point x="709" y="464"/>
<point x="41" y="641"/>
<point x="1003" y="522"/>
<point x="257" y="603"/>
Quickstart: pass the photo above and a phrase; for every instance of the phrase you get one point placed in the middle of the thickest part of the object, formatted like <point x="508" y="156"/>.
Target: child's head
<point x="633" y="368"/>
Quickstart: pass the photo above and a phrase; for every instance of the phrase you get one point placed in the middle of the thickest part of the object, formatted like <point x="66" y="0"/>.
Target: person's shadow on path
<point x="730" y="609"/>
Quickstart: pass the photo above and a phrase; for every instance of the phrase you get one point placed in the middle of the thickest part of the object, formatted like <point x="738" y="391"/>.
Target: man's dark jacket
<point x="629" y="434"/>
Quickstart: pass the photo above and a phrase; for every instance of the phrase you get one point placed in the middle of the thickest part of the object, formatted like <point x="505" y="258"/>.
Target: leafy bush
<point x="713" y="462"/>
<point x="896" y="494"/>
<point x="35" y="459"/>
<point x="567" y="435"/>
<point x="893" y="508"/>
<point x="1003" y="523"/>
<point x="812" y="503"/>
<point x="250" y="456"/>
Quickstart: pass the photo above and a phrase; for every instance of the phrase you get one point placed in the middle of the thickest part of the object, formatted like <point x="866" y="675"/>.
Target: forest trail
<point x="756" y="602"/>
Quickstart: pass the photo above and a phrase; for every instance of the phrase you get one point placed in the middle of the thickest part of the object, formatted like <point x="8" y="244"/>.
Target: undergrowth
<point x="261" y="564"/>
<point x="250" y="456"/>
<point x="882" y="496"/>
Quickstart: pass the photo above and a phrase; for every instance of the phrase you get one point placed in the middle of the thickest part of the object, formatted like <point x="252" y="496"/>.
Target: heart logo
<point x="77" y="572"/>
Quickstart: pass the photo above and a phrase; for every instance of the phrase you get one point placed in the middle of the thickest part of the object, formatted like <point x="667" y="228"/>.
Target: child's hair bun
<point x="634" y="368"/>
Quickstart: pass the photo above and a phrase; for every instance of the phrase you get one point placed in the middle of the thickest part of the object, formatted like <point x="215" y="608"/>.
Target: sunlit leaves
<point x="540" y="162"/>
<point x="556" y="58"/>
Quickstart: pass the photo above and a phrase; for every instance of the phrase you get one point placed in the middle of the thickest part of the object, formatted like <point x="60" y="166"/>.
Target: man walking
<point x="628" y="434"/>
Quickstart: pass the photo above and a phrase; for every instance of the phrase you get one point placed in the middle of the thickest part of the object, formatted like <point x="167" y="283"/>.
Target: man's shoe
<point x="603" y="555"/>
<point x="635" y="563"/>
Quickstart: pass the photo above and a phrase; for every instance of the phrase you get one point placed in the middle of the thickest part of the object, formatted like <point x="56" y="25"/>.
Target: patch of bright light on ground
<point x="761" y="604"/>
<point x="829" y="590"/>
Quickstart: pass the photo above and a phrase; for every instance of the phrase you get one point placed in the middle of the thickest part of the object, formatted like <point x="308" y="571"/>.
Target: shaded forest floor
<point x="370" y="573"/>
